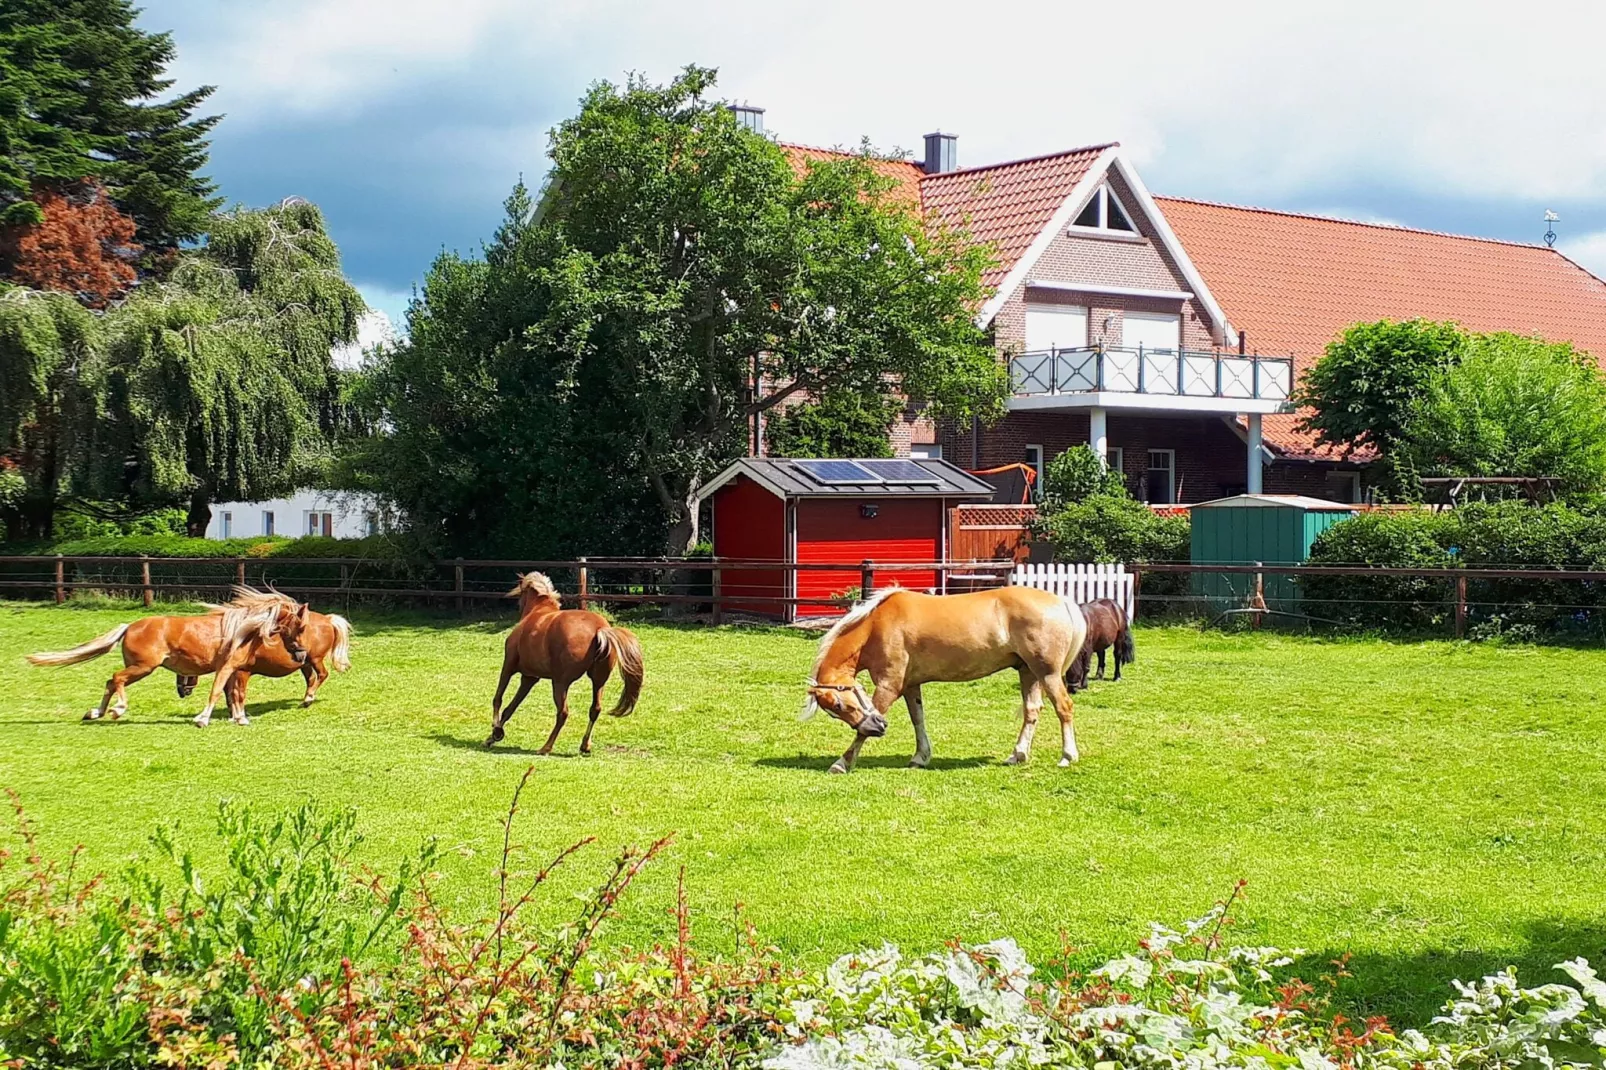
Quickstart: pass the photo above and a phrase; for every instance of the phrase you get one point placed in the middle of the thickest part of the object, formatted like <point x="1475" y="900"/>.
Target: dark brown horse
<point x="219" y="642"/>
<point x="562" y="645"/>
<point x="1106" y="627"/>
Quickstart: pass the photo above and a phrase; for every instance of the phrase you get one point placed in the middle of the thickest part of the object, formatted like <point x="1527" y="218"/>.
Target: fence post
<point x="239" y="571"/>
<point x="1137" y="585"/>
<point x="345" y="586"/>
<point x="583" y="578"/>
<point x="866" y="578"/>
<point x="1460" y="607"/>
<point x="61" y="580"/>
<point x="718" y="588"/>
<point x="457" y="584"/>
<point x="1259" y="600"/>
<point x="145" y="580"/>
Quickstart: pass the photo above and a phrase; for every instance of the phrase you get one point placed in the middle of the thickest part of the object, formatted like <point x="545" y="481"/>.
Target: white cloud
<point x="1259" y="96"/>
<point x="1588" y="251"/>
<point x="374" y="328"/>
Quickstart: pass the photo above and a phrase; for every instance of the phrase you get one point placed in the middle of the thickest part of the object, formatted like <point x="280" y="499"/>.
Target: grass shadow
<point x="1410" y="988"/>
<point x="478" y="744"/>
<point x="821" y="762"/>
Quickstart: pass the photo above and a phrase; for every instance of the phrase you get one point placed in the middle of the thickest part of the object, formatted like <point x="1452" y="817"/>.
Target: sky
<point x="408" y="121"/>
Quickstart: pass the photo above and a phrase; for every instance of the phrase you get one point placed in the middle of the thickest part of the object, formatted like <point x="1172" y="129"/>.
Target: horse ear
<point x="303" y="611"/>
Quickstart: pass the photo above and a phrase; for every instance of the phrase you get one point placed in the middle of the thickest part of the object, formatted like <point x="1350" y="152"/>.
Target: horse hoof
<point x="117" y="715"/>
<point x="307" y="702"/>
<point x="202" y="722"/>
<point x="1067" y="760"/>
<point x="919" y="763"/>
<point x="92" y="715"/>
<point x="241" y="721"/>
<point x="838" y="768"/>
<point x="1017" y="758"/>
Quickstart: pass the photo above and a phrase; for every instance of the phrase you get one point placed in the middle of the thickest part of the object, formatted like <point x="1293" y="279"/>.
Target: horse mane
<point x="853" y="616"/>
<point x="536" y="587"/>
<point x="249" y="612"/>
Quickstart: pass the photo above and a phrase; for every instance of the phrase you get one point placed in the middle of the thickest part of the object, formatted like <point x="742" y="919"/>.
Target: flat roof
<point x="783" y="477"/>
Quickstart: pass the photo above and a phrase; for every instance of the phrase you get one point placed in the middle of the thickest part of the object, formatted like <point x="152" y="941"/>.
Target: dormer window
<point x="1104" y="212"/>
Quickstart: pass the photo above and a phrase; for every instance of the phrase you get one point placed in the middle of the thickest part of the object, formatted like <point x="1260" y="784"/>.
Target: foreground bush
<point x="295" y="958"/>
<point x="1476" y="535"/>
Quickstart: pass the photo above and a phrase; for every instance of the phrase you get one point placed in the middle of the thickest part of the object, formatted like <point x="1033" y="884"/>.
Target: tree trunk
<point x="683" y="534"/>
<point x="200" y="517"/>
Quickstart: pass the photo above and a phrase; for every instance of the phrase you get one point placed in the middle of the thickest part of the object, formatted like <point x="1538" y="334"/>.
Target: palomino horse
<point x="326" y="638"/>
<point x="905" y="639"/>
<point x="218" y="642"/>
<point x="1106" y="627"/>
<point x="562" y="645"/>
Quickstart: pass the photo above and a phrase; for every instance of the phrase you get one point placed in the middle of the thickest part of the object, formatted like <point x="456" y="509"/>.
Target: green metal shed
<point x="1274" y="529"/>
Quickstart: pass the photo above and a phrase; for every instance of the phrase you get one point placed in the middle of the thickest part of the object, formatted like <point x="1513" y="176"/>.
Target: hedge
<point x="1478" y="535"/>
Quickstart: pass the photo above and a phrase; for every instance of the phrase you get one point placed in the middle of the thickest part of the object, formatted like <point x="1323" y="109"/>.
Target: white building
<point x="307" y="512"/>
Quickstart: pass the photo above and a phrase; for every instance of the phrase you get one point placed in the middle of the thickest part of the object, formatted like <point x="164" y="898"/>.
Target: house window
<point x="1034" y="461"/>
<point x="925" y="451"/>
<point x="228" y="525"/>
<point x="1160" y="481"/>
<point x="1114" y="459"/>
<point x="267" y="521"/>
<point x="1153" y="332"/>
<point x="1055" y="327"/>
<point x="321" y="524"/>
<point x="1105" y="212"/>
<point x="1344" y="487"/>
<point x="371" y="524"/>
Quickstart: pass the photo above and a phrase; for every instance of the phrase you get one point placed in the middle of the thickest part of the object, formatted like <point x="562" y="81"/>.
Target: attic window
<point x="1104" y="212"/>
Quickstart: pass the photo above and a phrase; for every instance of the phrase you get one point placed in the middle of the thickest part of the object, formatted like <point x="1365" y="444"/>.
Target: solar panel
<point x="829" y="471"/>
<point x="901" y="471"/>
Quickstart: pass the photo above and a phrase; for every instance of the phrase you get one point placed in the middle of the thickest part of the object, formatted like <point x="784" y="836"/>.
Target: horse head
<point x="289" y="624"/>
<point x="848" y="703"/>
<point x="534" y="589"/>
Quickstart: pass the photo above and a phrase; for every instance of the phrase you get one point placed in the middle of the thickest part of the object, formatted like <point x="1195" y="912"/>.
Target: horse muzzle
<point x="299" y="656"/>
<point x="873" y="725"/>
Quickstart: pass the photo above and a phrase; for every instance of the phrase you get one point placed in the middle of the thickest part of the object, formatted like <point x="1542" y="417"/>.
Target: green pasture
<point x="1432" y="809"/>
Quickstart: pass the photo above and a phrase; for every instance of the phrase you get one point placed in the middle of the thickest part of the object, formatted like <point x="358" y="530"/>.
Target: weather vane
<point x="1551" y="219"/>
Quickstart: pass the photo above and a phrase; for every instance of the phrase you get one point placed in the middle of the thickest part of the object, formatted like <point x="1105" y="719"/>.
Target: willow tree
<point x="218" y="382"/>
<point x="48" y="342"/>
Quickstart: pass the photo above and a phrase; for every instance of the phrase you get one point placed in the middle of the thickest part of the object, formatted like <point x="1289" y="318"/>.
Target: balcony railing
<point x="1160" y="372"/>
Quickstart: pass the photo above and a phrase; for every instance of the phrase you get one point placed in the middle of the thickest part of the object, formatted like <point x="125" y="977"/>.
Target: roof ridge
<point x="1080" y="150"/>
<point x="1397" y="227"/>
<point x="845" y="152"/>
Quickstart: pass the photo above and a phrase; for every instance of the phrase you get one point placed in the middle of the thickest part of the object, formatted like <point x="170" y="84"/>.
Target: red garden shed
<point x="790" y="510"/>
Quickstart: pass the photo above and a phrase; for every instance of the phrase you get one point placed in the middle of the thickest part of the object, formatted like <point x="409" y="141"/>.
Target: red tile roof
<point x="1293" y="283"/>
<point x="1006" y="205"/>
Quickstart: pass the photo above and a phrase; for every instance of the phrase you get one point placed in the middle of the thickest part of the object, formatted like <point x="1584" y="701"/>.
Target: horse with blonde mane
<point x="218" y="642"/>
<point x="326" y="638"/>
<point x="905" y="639"/>
<point x="562" y="645"/>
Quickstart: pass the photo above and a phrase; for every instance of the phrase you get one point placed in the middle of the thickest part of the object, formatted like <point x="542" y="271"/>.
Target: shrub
<point x="1113" y="527"/>
<point x="1361" y="390"/>
<point x="1077" y="474"/>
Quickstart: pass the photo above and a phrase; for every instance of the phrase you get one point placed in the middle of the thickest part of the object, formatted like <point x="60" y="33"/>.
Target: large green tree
<point x="841" y="423"/>
<point x="216" y="383"/>
<point x="1514" y="406"/>
<point x="1360" y="392"/>
<point x="83" y="95"/>
<point x="604" y="348"/>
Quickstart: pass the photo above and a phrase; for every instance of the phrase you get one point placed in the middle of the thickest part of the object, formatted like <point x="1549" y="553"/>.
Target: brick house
<point x="1168" y="332"/>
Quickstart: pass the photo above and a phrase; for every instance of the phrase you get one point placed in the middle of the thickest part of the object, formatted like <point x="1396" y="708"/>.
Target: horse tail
<point x="623" y="651"/>
<point x="87" y="652"/>
<point x="1126" y="651"/>
<point x="341" y="658"/>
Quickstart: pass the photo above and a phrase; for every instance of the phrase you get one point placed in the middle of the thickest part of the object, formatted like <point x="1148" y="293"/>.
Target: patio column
<point x="1253" y="482"/>
<point x="1098" y="434"/>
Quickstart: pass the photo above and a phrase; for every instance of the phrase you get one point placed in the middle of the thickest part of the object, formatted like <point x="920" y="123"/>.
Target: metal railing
<point x="1159" y="372"/>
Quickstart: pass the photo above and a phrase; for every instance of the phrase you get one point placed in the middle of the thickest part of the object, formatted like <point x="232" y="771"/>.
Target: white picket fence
<point x="1080" y="583"/>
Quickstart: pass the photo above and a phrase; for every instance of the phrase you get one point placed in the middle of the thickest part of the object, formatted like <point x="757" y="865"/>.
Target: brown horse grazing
<point x="326" y="638"/>
<point x="217" y="642"/>
<point x="905" y="639"/>
<point x="1107" y="627"/>
<point x="562" y="645"/>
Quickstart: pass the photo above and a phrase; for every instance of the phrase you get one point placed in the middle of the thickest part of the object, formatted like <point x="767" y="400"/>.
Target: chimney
<point x="748" y="116"/>
<point x="942" y="153"/>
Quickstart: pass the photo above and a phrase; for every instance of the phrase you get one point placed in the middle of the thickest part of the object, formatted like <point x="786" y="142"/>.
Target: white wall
<point x="350" y="515"/>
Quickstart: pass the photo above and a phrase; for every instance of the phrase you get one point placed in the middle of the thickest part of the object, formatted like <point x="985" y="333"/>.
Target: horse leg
<point x="917" y="717"/>
<point x="1101" y="666"/>
<point x="599" y="676"/>
<point x="116" y="688"/>
<point x="1031" y="698"/>
<point x="1065" y="708"/>
<point x="560" y="699"/>
<point x="220" y="681"/>
<point x="496" y="703"/>
<point x="315" y="673"/>
<point x="236" y="692"/>
<point x="499" y="718"/>
<point x="845" y="763"/>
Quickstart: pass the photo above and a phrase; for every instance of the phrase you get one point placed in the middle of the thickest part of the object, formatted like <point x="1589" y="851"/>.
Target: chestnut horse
<point x="219" y="642"/>
<point x="905" y="639"/>
<point x="562" y="645"/>
<point x="1107" y="627"/>
<point x="326" y="638"/>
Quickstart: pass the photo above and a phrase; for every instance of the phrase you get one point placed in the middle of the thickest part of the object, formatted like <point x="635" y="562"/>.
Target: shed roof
<point x="1269" y="501"/>
<point x="781" y="477"/>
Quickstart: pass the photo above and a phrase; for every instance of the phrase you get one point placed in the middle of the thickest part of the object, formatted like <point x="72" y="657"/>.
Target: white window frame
<point x="267" y="522"/>
<point x="1171" y="476"/>
<point x="925" y="451"/>
<point x="1102" y="197"/>
<point x="1037" y="309"/>
<point x="314" y="519"/>
<point x="1354" y="485"/>
<point x="1114" y="459"/>
<point x="1037" y="466"/>
<point x="228" y="524"/>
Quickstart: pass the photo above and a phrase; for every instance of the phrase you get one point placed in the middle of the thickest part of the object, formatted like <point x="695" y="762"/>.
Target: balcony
<point x="1158" y="380"/>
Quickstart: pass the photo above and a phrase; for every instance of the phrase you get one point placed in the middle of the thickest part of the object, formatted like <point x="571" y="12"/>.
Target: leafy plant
<point x="1076" y="475"/>
<point x="1360" y="392"/>
<point x="842" y="423"/>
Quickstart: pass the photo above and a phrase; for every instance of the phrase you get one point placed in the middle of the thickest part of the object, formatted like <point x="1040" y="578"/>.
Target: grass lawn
<point x="1434" y="809"/>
